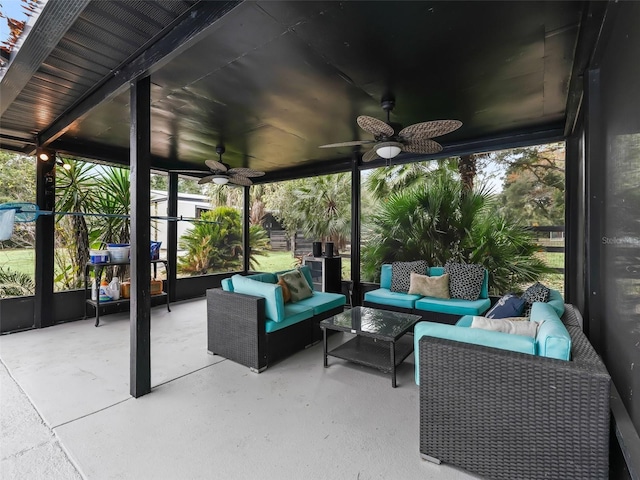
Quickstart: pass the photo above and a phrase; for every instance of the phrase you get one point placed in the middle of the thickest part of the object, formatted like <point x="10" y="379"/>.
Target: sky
<point x="12" y="9"/>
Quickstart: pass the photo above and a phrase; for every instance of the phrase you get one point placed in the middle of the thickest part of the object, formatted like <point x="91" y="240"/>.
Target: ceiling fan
<point x="221" y="173"/>
<point x="415" y="138"/>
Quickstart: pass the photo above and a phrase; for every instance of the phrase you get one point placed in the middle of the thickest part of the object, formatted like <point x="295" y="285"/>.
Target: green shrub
<point x="437" y="221"/>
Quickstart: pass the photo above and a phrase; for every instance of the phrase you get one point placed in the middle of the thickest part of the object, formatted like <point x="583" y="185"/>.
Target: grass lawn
<point x="276" y="261"/>
<point x="23" y="260"/>
<point x="19" y="260"/>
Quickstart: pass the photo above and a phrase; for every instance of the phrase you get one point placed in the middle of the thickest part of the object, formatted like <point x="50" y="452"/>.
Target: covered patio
<point x="155" y="86"/>
<point x="207" y="417"/>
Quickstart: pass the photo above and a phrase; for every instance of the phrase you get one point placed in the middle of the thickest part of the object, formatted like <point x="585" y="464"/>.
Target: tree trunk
<point x="82" y="248"/>
<point x="467" y="169"/>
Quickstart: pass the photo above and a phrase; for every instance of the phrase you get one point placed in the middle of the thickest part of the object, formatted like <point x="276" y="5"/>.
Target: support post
<point x="246" y="244"/>
<point x="140" y="307"/>
<point x="356" y="295"/>
<point x="46" y="199"/>
<point x="595" y="183"/>
<point x="574" y="221"/>
<point x="172" y="235"/>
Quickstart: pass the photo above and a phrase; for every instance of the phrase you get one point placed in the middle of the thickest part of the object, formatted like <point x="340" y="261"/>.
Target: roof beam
<point x="50" y="26"/>
<point x="188" y="29"/>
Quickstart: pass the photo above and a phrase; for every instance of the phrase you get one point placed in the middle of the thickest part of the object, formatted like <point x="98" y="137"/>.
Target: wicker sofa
<point x="432" y="309"/>
<point x="255" y="328"/>
<point x="505" y="415"/>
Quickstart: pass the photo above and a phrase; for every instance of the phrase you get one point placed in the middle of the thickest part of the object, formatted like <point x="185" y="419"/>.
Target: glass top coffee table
<point x="379" y="341"/>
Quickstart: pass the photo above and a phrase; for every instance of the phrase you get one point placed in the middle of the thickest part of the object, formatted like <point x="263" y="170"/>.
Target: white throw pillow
<point x="528" y="329"/>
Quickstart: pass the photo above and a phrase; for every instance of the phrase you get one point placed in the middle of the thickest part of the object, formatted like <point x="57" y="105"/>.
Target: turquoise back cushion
<point x="263" y="277"/>
<point x="556" y="302"/>
<point x="272" y="293"/>
<point x="227" y="285"/>
<point x="385" y="276"/>
<point x="436" y="271"/>
<point x="553" y="339"/>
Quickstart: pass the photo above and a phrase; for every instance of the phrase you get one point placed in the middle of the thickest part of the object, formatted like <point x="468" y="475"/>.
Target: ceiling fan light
<point x="220" y="179"/>
<point x="388" y="150"/>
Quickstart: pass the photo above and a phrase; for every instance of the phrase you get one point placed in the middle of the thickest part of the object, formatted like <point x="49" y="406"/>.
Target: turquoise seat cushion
<point x="322" y="302"/>
<point x="227" y="285"/>
<point x="553" y="339"/>
<point x="453" y="306"/>
<point x="384" y="296"/>
<point x="293" y="313"/>
<point x="263" y="277"/>
<point x="556" y="302"/>
<point x="487" y="338"/>
<point x="272" y="293"/>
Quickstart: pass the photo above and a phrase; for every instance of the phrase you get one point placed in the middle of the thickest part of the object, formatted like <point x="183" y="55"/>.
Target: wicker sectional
<point x="507" y="415"/>
<point x="236" y="330"/>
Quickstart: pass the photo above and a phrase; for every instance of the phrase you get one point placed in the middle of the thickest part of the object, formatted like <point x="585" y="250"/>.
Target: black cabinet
<point x="326" y="273"/>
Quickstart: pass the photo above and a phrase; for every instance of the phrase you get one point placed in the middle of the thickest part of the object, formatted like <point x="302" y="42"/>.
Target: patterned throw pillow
<point x="509" y="305"/>
<point x="286" y="294"/>
<point x="298" y="286"/>
<point x="465" y="280"/>
<point x="535" y="293"/>
<point x="401" y="274"/>
<point x="437" y="287"/>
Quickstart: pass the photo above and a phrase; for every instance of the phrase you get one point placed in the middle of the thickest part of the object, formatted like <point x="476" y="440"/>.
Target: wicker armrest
<point x="236" y="328"/>
<point x="508" y="415"/>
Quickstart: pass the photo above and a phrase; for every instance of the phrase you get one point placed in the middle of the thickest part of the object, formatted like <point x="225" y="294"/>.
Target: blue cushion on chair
<point x="508" y="306"/>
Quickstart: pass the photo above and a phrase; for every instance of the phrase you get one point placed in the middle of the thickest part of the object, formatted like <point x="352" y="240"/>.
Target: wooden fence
<point x="548" y="244"/>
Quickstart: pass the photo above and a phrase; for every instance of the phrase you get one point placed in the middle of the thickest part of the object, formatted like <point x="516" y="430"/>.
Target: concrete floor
<point x="66" y="412"/>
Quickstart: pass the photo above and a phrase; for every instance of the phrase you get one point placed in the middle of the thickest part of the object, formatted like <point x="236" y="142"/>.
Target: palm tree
<point x="15" y="284"/>
<point x="215" y="243"/>
<point x="438" y="221"/>
<point x="113" y="198"/>
<point x="76" y="189"/>
<point x="319" y="206"/>
<point x="382" y="182"/>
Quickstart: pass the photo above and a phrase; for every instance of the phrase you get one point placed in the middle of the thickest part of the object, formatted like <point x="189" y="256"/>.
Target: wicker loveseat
<point x="432" y="309"/>
<point x="255" y="328"/>
<point x="505" y="415"/>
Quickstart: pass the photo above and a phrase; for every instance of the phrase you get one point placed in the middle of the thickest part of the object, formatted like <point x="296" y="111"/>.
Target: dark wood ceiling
<point x="274" y="80"/>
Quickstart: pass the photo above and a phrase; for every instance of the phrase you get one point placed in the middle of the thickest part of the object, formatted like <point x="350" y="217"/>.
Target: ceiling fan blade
<point x="422" y="145"/>
<point x="206" y="179"/>
<point x="348" y="144"/>
<point x="238" y="180"/>
<point x="245" y="172"/>
<point x="429" y="129"/>
<point x="374" y="126"/>
<point x="370" y="155"/>
<point x="215" y="165"/>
